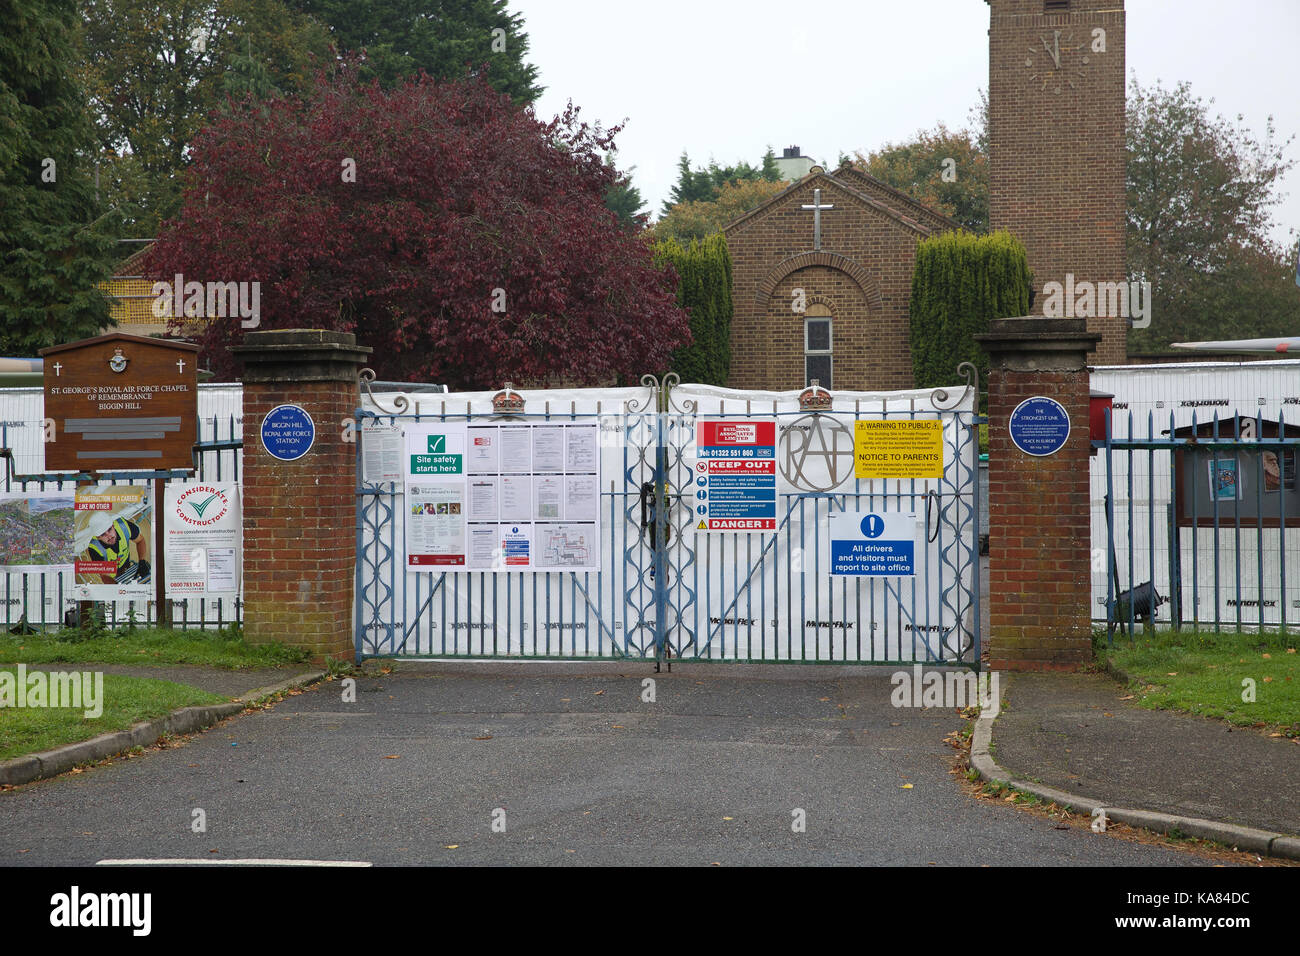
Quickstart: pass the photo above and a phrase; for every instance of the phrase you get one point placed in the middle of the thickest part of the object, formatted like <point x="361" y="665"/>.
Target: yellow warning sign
<point x="898" y="448"/>
<point x="702" y="526"/>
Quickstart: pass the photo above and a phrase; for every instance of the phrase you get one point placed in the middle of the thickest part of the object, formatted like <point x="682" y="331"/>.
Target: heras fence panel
<point x="1195" y="507"/>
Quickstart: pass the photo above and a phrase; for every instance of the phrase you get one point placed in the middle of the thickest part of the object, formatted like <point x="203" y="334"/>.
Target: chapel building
<point x="822" y="272"/>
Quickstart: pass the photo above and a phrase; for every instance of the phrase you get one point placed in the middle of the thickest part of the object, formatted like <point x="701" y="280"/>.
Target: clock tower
<point x="1057" y="152"/>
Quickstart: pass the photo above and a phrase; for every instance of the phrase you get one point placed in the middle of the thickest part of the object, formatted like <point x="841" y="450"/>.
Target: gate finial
<point x="815" y="398"/>
<point x="508" y="401"/>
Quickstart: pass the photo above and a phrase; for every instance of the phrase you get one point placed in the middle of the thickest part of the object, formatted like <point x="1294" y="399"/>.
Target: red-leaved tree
<point x="461" y="238"/>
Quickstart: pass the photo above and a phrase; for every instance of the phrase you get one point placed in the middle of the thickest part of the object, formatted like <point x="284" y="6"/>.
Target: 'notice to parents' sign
<point x="903" y="448"/>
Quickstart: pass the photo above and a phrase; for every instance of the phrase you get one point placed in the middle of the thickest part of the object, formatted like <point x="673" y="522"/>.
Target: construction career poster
<point x="113" y="542"/>
<point x="202" y="532"/>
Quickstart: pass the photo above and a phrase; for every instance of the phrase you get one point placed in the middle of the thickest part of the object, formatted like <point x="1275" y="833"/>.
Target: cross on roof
<point x="817" y="208"/>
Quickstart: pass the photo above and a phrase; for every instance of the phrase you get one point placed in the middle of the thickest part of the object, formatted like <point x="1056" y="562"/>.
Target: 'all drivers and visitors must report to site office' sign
<point x="872" y="544"/>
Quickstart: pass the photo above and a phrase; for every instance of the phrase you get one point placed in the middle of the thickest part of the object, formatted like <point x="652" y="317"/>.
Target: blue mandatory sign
<point x="1039" y="426"/>
<point x="873" y="526"/>
<point x="288" y="432"/>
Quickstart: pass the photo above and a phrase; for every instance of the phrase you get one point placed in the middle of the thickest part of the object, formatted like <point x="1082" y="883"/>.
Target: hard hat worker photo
<point x="117" y="540"/>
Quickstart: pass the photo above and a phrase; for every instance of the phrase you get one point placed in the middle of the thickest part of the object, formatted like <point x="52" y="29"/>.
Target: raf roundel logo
<point x="118" y="362"/>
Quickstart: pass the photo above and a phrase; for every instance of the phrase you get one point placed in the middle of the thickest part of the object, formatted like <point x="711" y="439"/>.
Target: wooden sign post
<point x="123" y="402"/>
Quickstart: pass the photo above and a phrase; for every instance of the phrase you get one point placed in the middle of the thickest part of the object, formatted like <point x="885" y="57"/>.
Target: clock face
<point x="1057" y="62"/>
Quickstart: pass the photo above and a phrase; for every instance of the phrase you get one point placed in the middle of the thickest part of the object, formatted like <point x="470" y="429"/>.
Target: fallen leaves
<point x="1129" y="697"/>
<point x="392" y="756"/>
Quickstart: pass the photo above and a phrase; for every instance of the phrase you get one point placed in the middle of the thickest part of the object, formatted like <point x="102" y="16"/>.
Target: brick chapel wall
<point x="871" y="349"/>
<point x="1057" y="159"/>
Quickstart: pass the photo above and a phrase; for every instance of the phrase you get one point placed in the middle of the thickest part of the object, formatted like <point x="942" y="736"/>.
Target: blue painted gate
<point x="663" y="589"/>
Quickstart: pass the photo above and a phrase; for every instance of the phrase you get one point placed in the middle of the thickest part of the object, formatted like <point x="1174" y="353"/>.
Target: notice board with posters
<point x="121" y="402"/>
<point x="507" y="496"/>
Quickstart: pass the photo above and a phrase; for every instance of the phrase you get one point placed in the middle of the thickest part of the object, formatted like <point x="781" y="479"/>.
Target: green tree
<point x="960" y="282"/>
<point x="704" y="290"/>
<point x="695" y="220"/>
<point x="56" y="243"/>
<point x="445" y="38"/>
<point x="705" y="183"/>
<point x="1200" y="194"/>
<point x="947" y="171"/>
<point x="691" y="186"/>
<point x="624" y="200"/>
<point x="154" y="69"/>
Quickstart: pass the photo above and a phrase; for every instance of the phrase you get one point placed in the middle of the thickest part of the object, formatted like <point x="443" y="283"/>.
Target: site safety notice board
<point x="735" y="475"/>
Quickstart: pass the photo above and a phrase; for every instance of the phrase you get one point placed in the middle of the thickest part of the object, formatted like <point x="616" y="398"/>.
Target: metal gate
<point x="662" y="590"/>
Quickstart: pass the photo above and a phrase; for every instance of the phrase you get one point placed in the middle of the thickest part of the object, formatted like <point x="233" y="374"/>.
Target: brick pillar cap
<point x="300" y="355"/>
<point x="1034" y="331"/>
<point x="1036" y="343"/>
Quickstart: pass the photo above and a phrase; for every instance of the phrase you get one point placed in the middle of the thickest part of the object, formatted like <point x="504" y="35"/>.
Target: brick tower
<point x="1056" y="145"/>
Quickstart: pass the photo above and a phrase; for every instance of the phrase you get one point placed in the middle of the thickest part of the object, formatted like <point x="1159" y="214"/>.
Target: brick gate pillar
<point x="1039" y="510"/>
<point x="300" y="515"/>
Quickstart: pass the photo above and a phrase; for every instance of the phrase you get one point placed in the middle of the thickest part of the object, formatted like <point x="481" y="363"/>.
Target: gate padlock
<point x="650" y="513"/>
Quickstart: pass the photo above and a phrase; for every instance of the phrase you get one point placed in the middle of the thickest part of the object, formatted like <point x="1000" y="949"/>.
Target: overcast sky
<point x="725" y="79"/>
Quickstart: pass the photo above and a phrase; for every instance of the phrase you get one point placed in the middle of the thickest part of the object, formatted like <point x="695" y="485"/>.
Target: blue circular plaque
<point x="1039" y="426"/>
<point x="288" y="432"/>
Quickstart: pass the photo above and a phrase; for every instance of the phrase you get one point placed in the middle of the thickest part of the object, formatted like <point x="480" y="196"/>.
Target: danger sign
<point x="735" y="476"/>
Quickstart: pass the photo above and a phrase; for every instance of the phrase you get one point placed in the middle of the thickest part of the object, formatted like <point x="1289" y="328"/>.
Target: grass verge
<point x="212" y="648"/>
<point x="126" y="701"/>
<point x="1250" y="680"/>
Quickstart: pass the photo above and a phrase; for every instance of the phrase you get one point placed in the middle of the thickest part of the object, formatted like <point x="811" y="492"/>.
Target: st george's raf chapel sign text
<point x="121" y="402"/>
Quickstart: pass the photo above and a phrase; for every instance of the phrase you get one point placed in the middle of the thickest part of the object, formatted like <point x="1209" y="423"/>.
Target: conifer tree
<point x="56" y="243"/>
<point x="960" y="282"/>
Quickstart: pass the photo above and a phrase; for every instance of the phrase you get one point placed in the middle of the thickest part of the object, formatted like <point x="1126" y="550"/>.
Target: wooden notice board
<point x="121" y="403"/>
